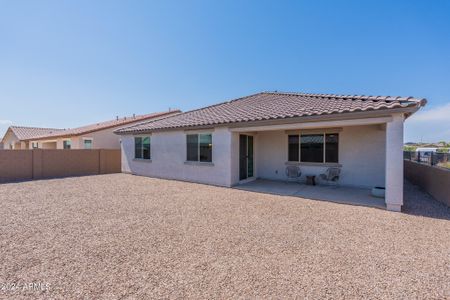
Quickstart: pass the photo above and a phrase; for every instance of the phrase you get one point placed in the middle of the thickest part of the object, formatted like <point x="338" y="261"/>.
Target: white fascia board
<point x="317" y="124"/>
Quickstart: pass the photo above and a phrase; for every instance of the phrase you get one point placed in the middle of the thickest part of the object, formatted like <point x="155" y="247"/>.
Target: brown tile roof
<point x="105" y="125"/>
<point x="24" y="133"/>
<point x="275" y="105"/>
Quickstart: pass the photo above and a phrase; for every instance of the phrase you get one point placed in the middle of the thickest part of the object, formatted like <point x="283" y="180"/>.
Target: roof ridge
<point x="33" y="127"/>
<point x="150" y="121"/>
<point x="92" y="127"/>
<point x="128" y="118"/>
<point x="221" y="103"/>
<point x="201" y="108"/>
<point x="345" y="97"/>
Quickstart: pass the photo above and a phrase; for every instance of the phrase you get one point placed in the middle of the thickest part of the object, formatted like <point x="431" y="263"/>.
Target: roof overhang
<point x="50" y="137"/>
<point x="371" y="117"/>
<point x="316" y="124"/>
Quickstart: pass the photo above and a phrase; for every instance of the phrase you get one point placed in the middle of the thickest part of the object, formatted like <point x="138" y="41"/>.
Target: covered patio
<point x="337" y="194"/>
<point x="367" y="153"/>
<point x="48" y="144"/>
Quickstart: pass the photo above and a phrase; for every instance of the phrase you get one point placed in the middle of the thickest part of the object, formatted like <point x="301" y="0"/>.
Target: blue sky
<point x="70" y="63"/>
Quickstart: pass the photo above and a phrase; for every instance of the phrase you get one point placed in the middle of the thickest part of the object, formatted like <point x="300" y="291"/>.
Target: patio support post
<point x="394" y="163"/>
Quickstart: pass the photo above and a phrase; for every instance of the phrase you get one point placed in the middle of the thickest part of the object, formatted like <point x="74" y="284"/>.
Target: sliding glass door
<point x="246" y="163"/>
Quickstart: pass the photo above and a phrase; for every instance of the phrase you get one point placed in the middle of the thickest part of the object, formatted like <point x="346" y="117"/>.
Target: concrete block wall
<point x="17" y="165"/>
<point x="434" y="180"/>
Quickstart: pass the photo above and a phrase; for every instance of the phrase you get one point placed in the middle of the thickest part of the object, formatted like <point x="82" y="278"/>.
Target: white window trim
<point x="199" y="163"/>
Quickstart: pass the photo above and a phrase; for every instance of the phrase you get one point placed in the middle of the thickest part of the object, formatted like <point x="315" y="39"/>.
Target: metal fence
<point x="428" y="158"/>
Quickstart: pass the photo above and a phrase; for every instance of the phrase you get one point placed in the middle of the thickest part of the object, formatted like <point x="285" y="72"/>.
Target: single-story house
<point x="16" y="137"/>
<point x="95" y="136"/>
<point x="258" y="136"/>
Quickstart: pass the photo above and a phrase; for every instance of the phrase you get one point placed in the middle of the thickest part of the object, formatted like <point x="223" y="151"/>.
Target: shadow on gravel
<point x="418" y="202"/>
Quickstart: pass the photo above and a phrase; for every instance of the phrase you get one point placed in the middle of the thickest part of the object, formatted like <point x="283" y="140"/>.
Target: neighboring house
<point x="16" y="137"/>
<point x="259" y="135"/>
<point x="94" y="136"/>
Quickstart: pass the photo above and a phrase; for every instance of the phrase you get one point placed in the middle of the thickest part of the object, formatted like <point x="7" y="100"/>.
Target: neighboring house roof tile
<point x="275" y="105"/>
<point x="23" y="133"/>
<point x="104" y="125"/>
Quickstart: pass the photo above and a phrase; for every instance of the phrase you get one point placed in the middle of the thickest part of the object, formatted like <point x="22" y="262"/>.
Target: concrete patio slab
<point x="338" y="194"/>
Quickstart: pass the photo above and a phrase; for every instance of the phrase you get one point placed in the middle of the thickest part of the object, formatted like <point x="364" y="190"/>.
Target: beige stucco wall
<point x="24" y="145"/>
<point x="361" y="155"/>
<point x="103" y="139"/>
<point x="168" y="158"/>
<point x="10" y="140"/>
<point x="47" y="145"/>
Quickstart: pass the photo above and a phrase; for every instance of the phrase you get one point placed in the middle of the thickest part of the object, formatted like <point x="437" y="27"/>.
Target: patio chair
<point x="293" y="173"/>
<point x="331" y="175"/>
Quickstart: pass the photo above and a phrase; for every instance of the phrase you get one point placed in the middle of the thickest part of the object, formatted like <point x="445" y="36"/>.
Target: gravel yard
<point x="124" y="236"/>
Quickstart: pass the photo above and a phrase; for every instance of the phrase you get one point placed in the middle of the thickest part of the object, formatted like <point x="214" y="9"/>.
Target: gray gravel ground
<point x="123" y="236"/>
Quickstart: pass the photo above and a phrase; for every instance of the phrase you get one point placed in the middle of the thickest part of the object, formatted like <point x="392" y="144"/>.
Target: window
<point x="331" y="148"/>
<point x="34" y="145"/>
<point x="205" y="147"/>
<point x="293" y="154"/>
<point x="67" y="144"/>
<point x="316" y="148"/>
<point x="199" y="147"/>
<point x="311" y="146"/>
<point x="142" y="147"/>
<point x="192" y="147"/>
<point x="87" y="143"/>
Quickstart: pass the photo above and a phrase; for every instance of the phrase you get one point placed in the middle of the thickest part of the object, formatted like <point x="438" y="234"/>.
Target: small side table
<point x="311" y="179"/>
